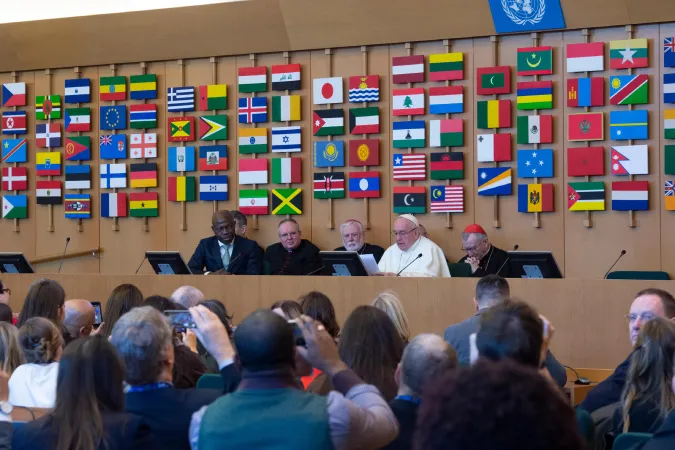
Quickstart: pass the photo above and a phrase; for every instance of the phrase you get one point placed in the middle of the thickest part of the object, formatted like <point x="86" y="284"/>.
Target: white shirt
<point x="229" y="248"/>
<point x="432" y="263"/>
<point x="34" y="385"/>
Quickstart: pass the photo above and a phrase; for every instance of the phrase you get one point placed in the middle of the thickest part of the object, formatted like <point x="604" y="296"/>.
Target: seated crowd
<point x="292" y="377"/>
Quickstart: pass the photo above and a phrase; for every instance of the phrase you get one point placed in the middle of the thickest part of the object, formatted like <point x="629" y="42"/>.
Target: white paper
<point x="369" y="263"/>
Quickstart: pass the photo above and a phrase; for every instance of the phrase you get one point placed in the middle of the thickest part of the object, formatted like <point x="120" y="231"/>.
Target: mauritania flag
<point x="409" y="134"/>
<point x="252" y="140"/>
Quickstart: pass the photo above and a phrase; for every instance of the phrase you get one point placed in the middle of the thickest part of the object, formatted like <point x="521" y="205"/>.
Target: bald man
<point x="79" y="320"/>
<point x="225" y="252"/>
<point x="188" y="296"/>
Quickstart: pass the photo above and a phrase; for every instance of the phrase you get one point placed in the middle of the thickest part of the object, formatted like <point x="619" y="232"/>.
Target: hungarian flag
<point x="446" y="166"/>
<point x="410" y="200"/>
<point x="585" y="127"/>
<point x="143" y="204"/>
<point x="535" y="129"/>
<point x="364" y="152"/>
<point x="78" y="148"/>
<point x="535" y="61"/>
<point x="252" y="79"/>
<point x="212" y="97"/>
<point x="493" y="80"/>
<point x="494" y="114"/>
<point x="181" y="189"/>
<point x="585" y="92"/>
<point x="329" y="185"/>
<point x="286" y="170"/>
<point x="114" y="204"/>
<point x="627" y="54"/>
<point x="585" y="57"/>
<point x="494" y="147"/>
<point x="446" y="133"/>
<point x="181" y="129"/>
<point x="585" y="161"/>
<point x="253" y="201"/>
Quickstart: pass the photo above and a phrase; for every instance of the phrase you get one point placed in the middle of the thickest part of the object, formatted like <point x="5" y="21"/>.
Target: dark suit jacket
<point x="368" y="249"/>
<point x="301" y="261"/>
<point x="644" y="418"/>
<point x="207" y="255"/>
<point x="664" y="438"/>
<point x="406" y="414"/>
<point x="123" y="431"/>
<point x="609" y="391"/>
<point x="491" y="263"/>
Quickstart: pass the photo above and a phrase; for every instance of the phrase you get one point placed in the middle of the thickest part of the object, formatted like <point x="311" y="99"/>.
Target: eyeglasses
<point x="644" y="317"/>
<point x="471" y="249"/>
<point x="8" y="291"/>
<point x="352" y="235"/>
<point x="402" y="233"/>
<point x="287" y="235"/>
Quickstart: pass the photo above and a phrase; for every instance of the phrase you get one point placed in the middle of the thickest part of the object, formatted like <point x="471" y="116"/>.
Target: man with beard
<point x="353" y="238"/>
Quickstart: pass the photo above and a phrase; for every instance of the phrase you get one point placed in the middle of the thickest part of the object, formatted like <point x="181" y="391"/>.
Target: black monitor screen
<point x="533" y="265"/>
<point x="167" y="263"/>
<point x="14" y="263"/>
<point x="342" y="264"/>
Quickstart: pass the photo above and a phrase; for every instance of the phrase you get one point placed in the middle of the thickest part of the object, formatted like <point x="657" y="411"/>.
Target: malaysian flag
<point x="410" y="167"/>
<point x="181" y="99"/>
<point x="447" y="199"/>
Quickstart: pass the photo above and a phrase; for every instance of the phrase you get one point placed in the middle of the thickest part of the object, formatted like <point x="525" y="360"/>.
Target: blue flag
<point x="213" y="187"/>
<point x="113" y="117"/>
<point x="535" y="163"/>
<point x="669" y="52"/>
<point x="14" y="150"/>
<point x="329" y="154"/>
<point x="77" y="90"/>
<point x="517" y="16"/>
<point x="113" y="146"/>
<point x="625" y="125"/>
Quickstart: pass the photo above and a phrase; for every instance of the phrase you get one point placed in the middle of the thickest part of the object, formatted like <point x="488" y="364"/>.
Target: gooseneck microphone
<point x="623" y="252"/>
<point x="64" y="253"/>
<point x="315" y="271"/>
<point x="418" y="257"/>
<point x="515" y="247"/>
<point x="139" y="266"/>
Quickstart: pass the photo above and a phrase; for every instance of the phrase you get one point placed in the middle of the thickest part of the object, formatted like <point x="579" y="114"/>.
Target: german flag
<point x="143" y="175"/>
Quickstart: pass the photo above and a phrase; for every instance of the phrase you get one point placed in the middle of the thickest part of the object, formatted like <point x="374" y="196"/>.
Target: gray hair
<point x="479" y="236"/>
<point x="187" y="296"/>
<point x="142" y="337"/>
<point x="351" y="222"/>
<point x="492" y="290"/>
<point x="289" y="220"/>
<point x="424" y="357"/>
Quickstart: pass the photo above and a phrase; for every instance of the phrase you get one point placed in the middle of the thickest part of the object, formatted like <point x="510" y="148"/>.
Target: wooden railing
<point x="71" y="255"/>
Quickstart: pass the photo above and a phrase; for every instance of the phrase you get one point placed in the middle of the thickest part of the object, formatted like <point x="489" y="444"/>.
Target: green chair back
<point x="460" y="270"/>
<point x="638" y="275"/>
<point x="211" y="381"/>
<point x="626" y="441"/>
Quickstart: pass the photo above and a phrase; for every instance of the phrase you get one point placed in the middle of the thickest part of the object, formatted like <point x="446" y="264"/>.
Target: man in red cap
<point x="484" y="258"/>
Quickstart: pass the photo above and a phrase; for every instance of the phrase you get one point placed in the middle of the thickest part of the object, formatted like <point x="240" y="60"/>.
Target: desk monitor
<point x="342" y="264"/>
<point x="167" y="263"/>
<point x="14" y="263"/>
<point x="533" y="265"/>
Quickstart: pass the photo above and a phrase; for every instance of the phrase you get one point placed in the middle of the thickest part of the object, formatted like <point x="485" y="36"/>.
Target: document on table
<point x="370" y="264"/>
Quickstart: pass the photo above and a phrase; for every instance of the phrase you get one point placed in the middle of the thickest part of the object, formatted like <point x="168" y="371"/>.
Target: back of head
<point x="511" y="330"/>
<point x="143" y="339"/>
<point x="492" y="290"/>
<point x="264" y="341"/>
<point x="158" y="302"/>
<point x="79" y="314"/>
<point x="424" y="358"/>
<point x="372" y="347"/>
<point x="289" y="308"/>
<point x="122" y="299"/>
<point x="239" y="217"/>
<point x="187" y="296"/>
<point x="318" y="306"/>
<point x="45" y="298"/>
<point x="218" y="308"/>
<point x="495" y="405"/>
<point x="40" y="340"/>
<point x="11" y="354"/>
<point x="389" y="302"/>
<point x="6" y="314"/>
<point x="666" y="297"/>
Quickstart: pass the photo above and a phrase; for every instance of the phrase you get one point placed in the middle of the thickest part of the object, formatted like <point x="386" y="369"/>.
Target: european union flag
<point x="113" y="117"/>
<point x="535" y="163"/>
<point x="517" y="16"/>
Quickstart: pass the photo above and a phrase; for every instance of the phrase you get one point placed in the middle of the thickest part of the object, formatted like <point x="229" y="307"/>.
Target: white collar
<point x="224" y="245"/>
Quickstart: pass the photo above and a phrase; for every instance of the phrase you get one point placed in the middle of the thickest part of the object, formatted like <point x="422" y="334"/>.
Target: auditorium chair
<point x="626" y="441"/>
<point x="210" y="381"/>
<point x="638" y="275"/>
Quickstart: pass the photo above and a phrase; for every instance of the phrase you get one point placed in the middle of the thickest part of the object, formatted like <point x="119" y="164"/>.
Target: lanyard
<point x="409" y="398"/>
<point x="146" y="387"/>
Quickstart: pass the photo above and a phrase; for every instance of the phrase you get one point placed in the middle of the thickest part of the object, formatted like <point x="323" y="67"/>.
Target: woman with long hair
<point x="389" y="302"/>
<point x="46" y="298"/>
<point x="121" y="300"/>
<point x="318" y="306"/>
<point x="288" y="309"/>
<point x="11" y="355"/>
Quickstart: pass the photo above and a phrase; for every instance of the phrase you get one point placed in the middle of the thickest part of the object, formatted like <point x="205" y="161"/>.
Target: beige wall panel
<point x="667" y="240"/>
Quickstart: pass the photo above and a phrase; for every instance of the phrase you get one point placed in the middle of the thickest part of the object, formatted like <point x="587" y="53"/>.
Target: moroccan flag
<point x="535" y="129"/>
<point x="212" y="97"/>
<point x="535" y="61"/>
<point x="585" y="161"/>
<point x="446" y="133"/>
<point x="252" y="79"/>
<point x="586" y="92"/>
<point x="494" y="114"/>
<point x="142" y="87"/>
<point x="329" y="185"/>
<point x="628" y="54"/>
<point x="629" y="89"/>
<point x="143" y="204"/>
<point x="286" y="170"/>
<point x="535" y="95"/>
<point x="585" y="57"/>
<point x="410" y="199"/>
<point x="494" y="147"/>
<point x="113" y="88"/>
<point x="287" y="201"/>
<point x="585" y="127"/>
<point x="253" y="201"/>
<point x="78" y="148"/>
<point x="181" y="189"/>
<point x="364" y="152"/>
<point x="493" y="80"/>
<point x="446" y="66"/>
<point x="586" y="196"/>
<point x="143" y="175"/>
<point x="181" y="129"/>
<point x="446" y="166"/>
<point x="535" y="197"/>
<point x="669" y="123"/>
<point x="212" y="128"/>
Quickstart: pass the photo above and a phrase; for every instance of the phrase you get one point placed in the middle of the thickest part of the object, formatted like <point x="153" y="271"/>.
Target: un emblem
<point x="522" y="12"/>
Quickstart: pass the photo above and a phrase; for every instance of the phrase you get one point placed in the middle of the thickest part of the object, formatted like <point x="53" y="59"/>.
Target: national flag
<point x="78" y="90"/>
<point x="143" y="204"/>
<point x="629" y="160"/>
<point x="142" y="175"/>
<point x="669" y="123"/>
<point x="286" y="77"/>
<point x="112" y="146"/>
<point x="364" y="184"/>
<point x="14" y="178"/>
<point x="143" y="87"/>
<point x="585" y="92"/>
<point x="494" y="114"/>
<point x="447" y="199"/>
<point x="327" y="90"/>
<point x="493" y="80"/>
<point x="585" y="57"/>
<point x="113" y="117"/>
<point x="285" y="108"/>
<point x="630" y="195"/>
<point x="669" y="195"/>
<point x="143" y="145"/>
<point x="409" y="134"/>
<point x="494" y="181"/>
<point x="535" y="129"/>
<point x="213" y="128"/>
<point x="47" y="107"/>
<point x="181" y="159"/>
<point x="113" y="176"/>
<point x="14" y="122"/>
<point x="328" y="122"/>
<point x="181" y="99"/>
<point x="446" y="166"/>
<point x="77" y="206"/>
<point x="408" y="102"/>
<point x="446" y="133"/>
<point x="364" y="120"/>
<point x="47" y="163"/>
<point x="287" y="201"/>
<point x="252" y="140"/>
<point x="286" y="139"/>
<point x="213" y="157"/>
<point x="143" y="116"/>
<point x="535" y="198"/>
<point x="409" y="166"/>
<point x="14" y="150"/>
<point x="14" y="94"/>
<point x="446" y="100"/>
<point x="78" y="177"/>
<point x="585" y="127"/>
<point x="181" y="189"/>
<point x="253" y="201"/>
<point x="114" y="204"/>
<point x="669" y="52"/>
<point x="253" y="171"/>
<point x="47" y="135"/>
<point x="535" y="163"/>
<point x="77" y="119"/>
<point x="585" y="161"/>
<point x="625" y="125"/>
<point x="668" y="88"/>
<point x="252" y="79"/>
<point x="113" y="88"/>
<point x="181" y="129"/>
<point x="628" y="54"/>
<point x="494" y="147"/>
<point x="364" y="152"/>
<point x="329" y="154"/>
<point x="15" y="207"/>
<point x="669" y="159"/>
<point x="535" y="61"/>
<point x="410" y="200"/>
<point x="329" y="185"/>
<point x="407" y="69"/>
<point x="586" y="196"/>
<point x="48" y="192"/>
<point x="286" y="170"/>
<point x="630" y="89"/>
<point x="252" y="109"/>
<point x="446" y="66"/>
<point x="535" y="95"/>
<point x="212" y="97"/>
<point x="364" y="89"/>
<point x="213" y="188"/>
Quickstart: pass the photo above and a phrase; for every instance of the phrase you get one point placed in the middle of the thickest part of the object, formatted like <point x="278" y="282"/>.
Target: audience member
<point x="495" y="405"/>
<point x="79" y="321"/>
<point x="46" y="299"/>
<point x="6" y="314"/>
<point x="219" y="309"/>
<point x="89" y="412"/>
<point x="34" y="384"/>
<point x="664" y="437"/>
<point x="318" y="306"/>
<point x="354" y="417"/>
<point x="188" y="296"/>
<point x="5" y="292"/>
<point x="426" y="357"/>
<point x="11" y="353"/>
<point x="389" y="302"/>
<point x="292" y="255"/>
<point x="159" y="302"/>
<point x="484" y="258"/>
<point x="288" y="309"/>
<point x="121" y="300"/>
<point x="354" y="240"/>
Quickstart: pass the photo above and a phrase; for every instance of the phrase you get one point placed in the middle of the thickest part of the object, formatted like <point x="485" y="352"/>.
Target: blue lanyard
<point x="409" y="398"/>
<point x="146" y="387"/>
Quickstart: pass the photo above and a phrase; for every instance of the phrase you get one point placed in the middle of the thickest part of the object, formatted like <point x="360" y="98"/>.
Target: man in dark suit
<point x="226" y="252"/>
<point x="292" y="255"/>
<point x="483" y="257"/>
<point x="353" y="238"/>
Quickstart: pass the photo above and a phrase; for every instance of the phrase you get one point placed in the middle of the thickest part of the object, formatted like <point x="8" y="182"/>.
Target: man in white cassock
<point x="410" y="244"/>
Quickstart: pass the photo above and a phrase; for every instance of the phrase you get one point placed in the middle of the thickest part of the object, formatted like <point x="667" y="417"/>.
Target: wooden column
<point x="17" y="229"/>
<point x="366" y="201"/>
<point x="50" y="208"/>
<point x="496" y="222"/>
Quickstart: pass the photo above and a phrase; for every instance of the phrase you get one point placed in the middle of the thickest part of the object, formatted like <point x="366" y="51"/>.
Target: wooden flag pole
<point x="115" y="225"/>
<point x="214" y="80"/>
<point x="448" y="216"/>
<point x="256" y="224"/>
<point x="632" y="223"/>
<point x="15" y="165"/>
<point x="588" y="222"/>
<point x="146" y="220"/>
<point x="366" y="203"/>
<point x="496" y="222"/>
<point x="183" y="205"/>
<point x="80" y="227"/>
<point x="287" y="61"/>
<point x="536" y="223"/>
<point x="50" y="207"/>
<point x="409" y="52"/>
<point x="331" y="220"/>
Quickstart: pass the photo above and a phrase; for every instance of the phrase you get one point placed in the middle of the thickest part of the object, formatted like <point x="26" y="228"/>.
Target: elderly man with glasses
<point x="292" y="255"/>
<point x="412" y="255"/>
<point x="354" y="240"/>
<point x="485" y="258"/>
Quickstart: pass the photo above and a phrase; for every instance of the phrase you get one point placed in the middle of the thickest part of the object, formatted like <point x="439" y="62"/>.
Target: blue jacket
<point x="246" y="257"/>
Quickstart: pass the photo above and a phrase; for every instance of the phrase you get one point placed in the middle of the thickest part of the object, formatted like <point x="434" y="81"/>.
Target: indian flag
<point x="446" y="133"/>
<point x="669" y="123"/>
<point x="252" y="79"/>
<point x="252" y="140"/>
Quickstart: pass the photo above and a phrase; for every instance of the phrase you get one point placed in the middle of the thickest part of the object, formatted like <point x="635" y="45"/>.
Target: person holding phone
<point x="79" y="321"/>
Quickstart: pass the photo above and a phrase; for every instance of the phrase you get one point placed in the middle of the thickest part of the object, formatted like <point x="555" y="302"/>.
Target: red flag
<point x="585" y="127"/>
<point x="585" y="161"/>
<point x="364" y="152"/>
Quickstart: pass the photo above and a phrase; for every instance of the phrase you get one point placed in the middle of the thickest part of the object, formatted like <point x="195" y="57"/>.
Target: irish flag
<point x="446" y="133"/>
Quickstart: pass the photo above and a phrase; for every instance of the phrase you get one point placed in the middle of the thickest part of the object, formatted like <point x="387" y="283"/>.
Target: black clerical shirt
<point x="304" y="260"/>
<point x="493" y="260"/>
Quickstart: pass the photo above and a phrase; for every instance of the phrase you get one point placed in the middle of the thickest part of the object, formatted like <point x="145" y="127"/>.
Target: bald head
<point x="264" y="341"/>
<point x="222" y="225"/>
<point x="423" y="358"/>
<point x="187" y="296"/>
<point x="80" y="318"/>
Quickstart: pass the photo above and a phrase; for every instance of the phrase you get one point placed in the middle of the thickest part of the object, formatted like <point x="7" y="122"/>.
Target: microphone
<point x="418" y="257"/>
<point x="315" y="271"/>
<point x="139" y="266"/>
<point x="623" y="252"/>
<point x="234" y="259"/>
<point x="580" y="380"/>
<point x="64" y="253"/>
<point x="515" y="247"/>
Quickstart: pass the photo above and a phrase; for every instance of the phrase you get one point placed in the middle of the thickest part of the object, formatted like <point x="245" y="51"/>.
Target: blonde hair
<point x="11" y="355"/>
<point x="389" y="302"/>
<point x="40" y="340"/>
